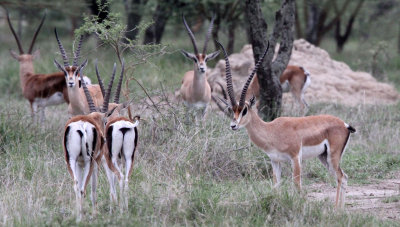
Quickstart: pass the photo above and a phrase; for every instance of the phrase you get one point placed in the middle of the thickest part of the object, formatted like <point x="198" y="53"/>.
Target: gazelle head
<point x="72" y="73"/>
<point x="22" y="56"/>
<point x="241" y="116"/>
<point x="200" y="59"/>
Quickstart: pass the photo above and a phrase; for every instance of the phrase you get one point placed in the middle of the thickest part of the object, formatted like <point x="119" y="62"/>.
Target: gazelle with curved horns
<point x="40" y="90"/>
<point x="195" y="89"/>
<point x="83" y="144"/>
<point x="292" y="138"/>
<point x="122" y="137"/>
<point x="73" y="80"/>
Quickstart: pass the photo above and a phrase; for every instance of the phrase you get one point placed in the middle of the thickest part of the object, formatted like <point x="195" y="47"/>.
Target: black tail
<point x="351" y="129"/>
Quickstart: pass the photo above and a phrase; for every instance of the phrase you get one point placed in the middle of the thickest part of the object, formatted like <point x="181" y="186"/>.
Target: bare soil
<point x="381" y="198"/>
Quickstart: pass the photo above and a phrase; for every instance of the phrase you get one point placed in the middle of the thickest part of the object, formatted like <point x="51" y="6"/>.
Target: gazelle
<point x="292" y="138"/>
<point x="195" y="89"/>
<point x="40" y="90"/>
<point x="122" y="137"/>
<point x="294" y="79"/>
<point x="83" y="145"/>
<point x="77" y="104"/>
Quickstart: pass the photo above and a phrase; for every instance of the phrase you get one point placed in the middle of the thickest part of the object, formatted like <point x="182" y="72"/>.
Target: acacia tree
<point x="270" y="70"/>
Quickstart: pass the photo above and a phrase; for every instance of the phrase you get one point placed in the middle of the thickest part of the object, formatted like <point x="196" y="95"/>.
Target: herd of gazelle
<point x="97" y="133"/>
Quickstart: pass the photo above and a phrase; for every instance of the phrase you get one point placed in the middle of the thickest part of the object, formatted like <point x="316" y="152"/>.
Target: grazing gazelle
<point x="195" y="90"/>
<point x="40" y="90"/>
<point x="77" y="104"/>
<point x="294" y="79"/>
<point x="292" y="138"/>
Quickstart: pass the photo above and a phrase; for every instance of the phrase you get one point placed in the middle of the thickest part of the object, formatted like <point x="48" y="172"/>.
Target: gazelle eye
<point x="244" y="111"/>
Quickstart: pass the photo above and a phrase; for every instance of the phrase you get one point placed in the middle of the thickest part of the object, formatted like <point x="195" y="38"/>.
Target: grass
<point x="183" y="175"/>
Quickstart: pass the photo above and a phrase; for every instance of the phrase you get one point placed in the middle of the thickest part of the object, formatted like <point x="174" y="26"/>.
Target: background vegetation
<point x="187" y="175"/>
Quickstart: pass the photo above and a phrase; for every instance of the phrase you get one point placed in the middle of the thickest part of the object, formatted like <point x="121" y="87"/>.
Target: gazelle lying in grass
<point x="40" y="90"/>
<point x="292" y="138"/>
<point x="294" y="79"/>
<point x="77" y="104"/>
<point x="195" y="89"/>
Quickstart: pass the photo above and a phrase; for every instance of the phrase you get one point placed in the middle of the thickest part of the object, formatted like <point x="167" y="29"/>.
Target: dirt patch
<point x="381" y="199"/>
<point x="331" y="81"/>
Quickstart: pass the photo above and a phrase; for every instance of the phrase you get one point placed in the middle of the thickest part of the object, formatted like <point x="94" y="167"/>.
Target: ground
<point x="381" y="198"/>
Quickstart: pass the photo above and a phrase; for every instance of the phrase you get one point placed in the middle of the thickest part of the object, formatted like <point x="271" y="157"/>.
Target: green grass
<point x="183" y="175"/>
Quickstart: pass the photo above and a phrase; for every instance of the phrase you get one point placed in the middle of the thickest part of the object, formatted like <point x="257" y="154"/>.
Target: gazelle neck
<point x="258" y="130"/>
<point x="77" y="102"/>
<point x="25" y="70"/>
<point x="199" y="82"/>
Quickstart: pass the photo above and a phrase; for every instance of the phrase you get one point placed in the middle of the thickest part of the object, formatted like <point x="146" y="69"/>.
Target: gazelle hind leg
<point x="93" y="194"/>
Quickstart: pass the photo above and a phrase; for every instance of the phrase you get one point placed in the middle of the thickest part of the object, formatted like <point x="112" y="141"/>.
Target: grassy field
<point x="183" y="175"/>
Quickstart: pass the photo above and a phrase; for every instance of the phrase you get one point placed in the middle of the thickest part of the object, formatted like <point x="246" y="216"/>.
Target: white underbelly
<point x="278" y="156"/>
<point x="56" y="99"/>
<point x="196" y="105"/>
<point x="314" y="151"/>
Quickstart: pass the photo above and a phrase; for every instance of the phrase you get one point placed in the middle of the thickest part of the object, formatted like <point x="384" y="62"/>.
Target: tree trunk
<point x="398" y="41"/>
<point x="231" y="36"/>
<point x="312" y="24"/>
<point x="269" y="72"/>
<point x="154" y="33"/>
<point x="134" y="17"/>
<point x="342" y="39"/>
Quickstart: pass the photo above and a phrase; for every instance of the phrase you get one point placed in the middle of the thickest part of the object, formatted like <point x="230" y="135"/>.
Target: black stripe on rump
<point x="109" y="140"/>
<point x="94" y="140"/>
<point x="136" y="140"/>
<point x="81" y="135"/>
<point x="65" y="142"/>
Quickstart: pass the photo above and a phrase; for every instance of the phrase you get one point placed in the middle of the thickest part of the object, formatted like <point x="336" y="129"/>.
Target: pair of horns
<point x="21" y="51"/>
<point x="229" y="78"/>
<point x="106" y="93"/>
<point x="210" y="28"/>
<point x="64" y="54"/>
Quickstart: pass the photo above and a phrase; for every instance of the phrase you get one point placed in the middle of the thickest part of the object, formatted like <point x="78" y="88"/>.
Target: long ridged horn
<point x="36" y="34"/>
<point x="196" y="52"/>
<point x="62" y="50"/>
<point x="89" y="99"/>
<point x="21" y="51"/>
<point x="247" y="84"/>
<point x="121" y="77"/>
<point x="229" y="85"/>
<point x="99" y="79"/>
<point x="108" y="93"/>
<point x="78" y="52"/>
<point x="210" y="28"/>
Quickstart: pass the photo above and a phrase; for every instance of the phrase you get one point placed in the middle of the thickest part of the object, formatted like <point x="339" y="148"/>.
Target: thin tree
<point x="270" y="70"/>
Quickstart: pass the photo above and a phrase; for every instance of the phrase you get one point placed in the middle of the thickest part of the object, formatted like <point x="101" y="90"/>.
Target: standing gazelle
<point x="292" y="138"/>
<point x="122" y="137"/>
<point x="195" y="89"/>
<point x="40" y="90"/>
<point x="83" y="143"/>
<point x="294" y="79"/>
<point x="73" y="80"/>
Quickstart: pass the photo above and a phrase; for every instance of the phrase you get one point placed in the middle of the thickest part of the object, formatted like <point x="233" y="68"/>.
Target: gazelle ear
<point x="189" y="55"/>
<point x="36" y="54"/>
<point x="252" y="101"/>
<point x="14" y="54"/>
<point x="212" y="55"/>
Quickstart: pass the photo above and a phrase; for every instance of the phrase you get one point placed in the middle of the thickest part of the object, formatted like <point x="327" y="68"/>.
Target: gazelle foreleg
<point x="277" y="171"/>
